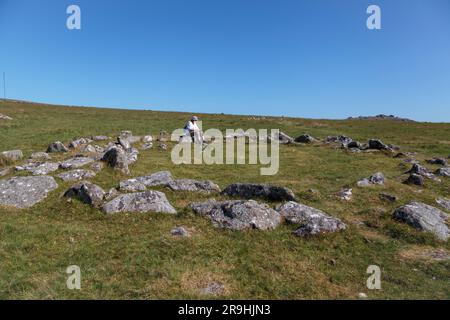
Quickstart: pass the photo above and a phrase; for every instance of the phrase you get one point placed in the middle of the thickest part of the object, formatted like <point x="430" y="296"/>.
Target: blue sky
<point x="300" y="58"/>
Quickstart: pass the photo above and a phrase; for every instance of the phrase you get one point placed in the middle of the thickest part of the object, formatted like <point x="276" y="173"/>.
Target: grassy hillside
<point x="134" y="255"/>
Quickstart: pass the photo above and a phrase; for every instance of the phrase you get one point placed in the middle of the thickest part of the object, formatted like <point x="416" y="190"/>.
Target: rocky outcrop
<point x="424" y="217"/>
<point x="75" y="175"/>
<point x="239" y="214"/>
<point x="24" y="192"/>
<point x="265" y="191"/>
<point x="161" y="178"/>
<point x="343" y="140"/>
<point x="147" y="201"/>
<point x="193" y="185"/>
<point x="422" y="171"/>
<point x="312" y="221"/>
<point x="86" y="192"/>
<point x="345" y="194"/>
<point x="56" y="147"/>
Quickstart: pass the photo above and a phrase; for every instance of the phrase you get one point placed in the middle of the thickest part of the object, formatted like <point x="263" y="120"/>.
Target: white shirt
<point x="191" y="126"/>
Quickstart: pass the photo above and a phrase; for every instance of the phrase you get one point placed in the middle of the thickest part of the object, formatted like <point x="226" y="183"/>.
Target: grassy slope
<point x="134" y="256"/>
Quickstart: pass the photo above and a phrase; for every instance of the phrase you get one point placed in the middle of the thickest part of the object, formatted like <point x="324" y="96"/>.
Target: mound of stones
<point x="265" y="191"/>
<point x="424" y="217"/>
<point x="375" y="179"/>
<point x="141" y="202"/>
<point x="239" y="214"/>
<point x="438" y="161"/>
<point x="24" y="192"/>
<point x="312" y="221"/>
<point x="11" y="155"/>
<point x="86" y="192"/>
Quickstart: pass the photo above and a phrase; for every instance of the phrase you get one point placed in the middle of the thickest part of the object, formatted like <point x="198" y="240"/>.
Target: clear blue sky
<point x="300" y="58"/>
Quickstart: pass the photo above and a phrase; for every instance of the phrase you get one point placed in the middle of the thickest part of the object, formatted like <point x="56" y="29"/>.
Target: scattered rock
<point x="24" y="192"/>
<point x="265" y="191"/>
<point x="415" y="179"/>
<point x="79" y="142"/>
<point x="162" y="146"/>
<point x="214" y="289"/>
<point x="89" y="149"/>
<point x="305" y="138"/>
<point x="193" y="185"/>
<point x="134" y="139"/>
<point x="343" y="140"/>
<point x="239" y="214"/>
<point x="380" y="117"/>
<point x="376" y="178"/>
<point x="100" y="138"/>
<point x="86" y="192"/>
<point x="444" y="203"/>
<point x="377" y="145"/>
<point x="179" y="232"/>
<point x="75" y="175"/>
<point x="161" y="178"/>
<point x="312" y="221"/>
<point x="117" y="159"/>
<point x="39" y="168"/>
<point x="354" y="145"/>
<point x="12" y="155"/>
<point x="147" y="139"/>
<point x="163" y="136"/>
<point x="445" y="172"/>
<point x="147" y="201"/>
<point x="345" y="194"/>
<point x="422" y="171"/>
<point x="97" y="166"/>
<point x="124" y="143"/>
<point x="76" y="162"/>
<point x="388" y="197"/>
<point x="126" y="134"/>
<point x="146" y="146"/>
<point x="5" y="117"/>
<point x="424" y="217"/>
<point x="57" y="147"/>
<point x="439" y="161"/>
<point x="40" y="156"/>
<point x="283" y="138"/>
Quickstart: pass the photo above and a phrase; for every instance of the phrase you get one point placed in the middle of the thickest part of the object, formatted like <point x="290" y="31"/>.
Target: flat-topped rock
<point x="11" y="155"/>
<point x="147" y="201"/>
<point x="205" y="186"/>
<point x="86" y="192"/>
<point x="265" y="191"/>
<point x="239" y="214"/>
<point x="424" y="217"/>
<point x="56" y="147"/>
<point x="161" y="178"/>
<point x="312" y="221"/>
<point x="24" y="192"/>
<point x="40" y="156"/>
<point x="39" y="168"/>
<point x="77" y="174"/>
<point x="76" y="162"/>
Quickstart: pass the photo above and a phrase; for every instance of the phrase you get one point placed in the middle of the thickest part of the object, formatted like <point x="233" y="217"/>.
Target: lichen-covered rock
<point x="100" y="138"/>
<point x="56" y="147"/>
<point x="343" y="140"/>
<point x="179" y="232"/>
<point x="77" y="174"/>
<point x="76" y="162"/>
<point x="376" y="178"/>
<point x="445" y="172"/>
<point x="161" y="178"/>
<point x="265" y="191"/>
<point x="312" y="221"/>
<point x="193" y="185"/>
<point x="377" y="145"/>
<point x="39" y="168"/>
<point x="24" y="192"/>
<point x="79" y="142"/>
<point x="283" y="138"/>
<point x="86" y="192"/>
<point x="11" y="155"/>
<point x="147" y="201"/>
<point x="117" y="159"/>
<point x="239" y="214"/>
<point x="40" y="156"/>
<point x="444" y="203"/>
<point x="147" y="139"/>
<point x="422" y="171"/>
<point x="88" y="149"/>
<point x="438" y="161"/>
<point x="305" y="138"/>
<point x="424" y="217"/>
<point x="124" y="143"/>
<point x="415" y="179"/>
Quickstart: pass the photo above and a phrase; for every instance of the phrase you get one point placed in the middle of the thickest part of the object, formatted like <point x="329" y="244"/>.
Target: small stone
<point x="362" y="295"/>
<point x="40" y="156"/>
<point x="147" y="139"/>
<point x="76" y="162"/>
<point x="438" y="161"/>
<point x="179" y="232"/>
<point x="388" y="197"/>
<point x="213" y="289"/>
<point x="57" y="146"/>
<point x="345" y="194"/>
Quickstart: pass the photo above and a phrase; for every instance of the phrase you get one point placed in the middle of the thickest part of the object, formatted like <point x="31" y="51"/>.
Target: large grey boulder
<point x="86" y="192"/>
<point x="147" y="201"/>
<point x="239" y="214"/>
<point x="11" y="155"/>
<point x="312" y="221"/>
<point x="77" y="174"/>
<point x="415" y="179"/>
<point x="39" y="168"/>
<point x="57" y="146"/>
<point x="377" y="145"/>
<point x="161" y="178"/>
<point x="266" y="191"/>
<point x="424" y="217"/>
<point x="24" y="192"/>
<point x="76" y="162"/>
<point x="305" y="138"/>
<point x="117" y="159"/>
<point x="193" y="185"/>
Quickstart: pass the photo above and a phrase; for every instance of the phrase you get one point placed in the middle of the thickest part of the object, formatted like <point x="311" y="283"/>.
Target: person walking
<point x="191" y="128"/>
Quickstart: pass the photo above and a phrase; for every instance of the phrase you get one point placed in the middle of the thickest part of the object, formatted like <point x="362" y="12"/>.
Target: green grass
<point x="133" y="256"/>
